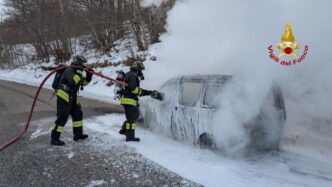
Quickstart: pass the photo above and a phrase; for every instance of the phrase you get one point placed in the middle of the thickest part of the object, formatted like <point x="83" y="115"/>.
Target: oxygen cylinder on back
<point x="118" y="87"/>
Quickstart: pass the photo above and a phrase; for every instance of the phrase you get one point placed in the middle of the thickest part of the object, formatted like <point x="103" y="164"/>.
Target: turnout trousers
<point x="64" y="109"/>
<point x="129" y="126"/>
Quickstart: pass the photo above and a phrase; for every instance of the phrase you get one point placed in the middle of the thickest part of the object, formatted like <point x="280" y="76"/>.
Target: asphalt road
<point x="34" y="162"/>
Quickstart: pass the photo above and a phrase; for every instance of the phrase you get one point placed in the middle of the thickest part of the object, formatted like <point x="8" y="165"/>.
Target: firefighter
<point x="67" y="103"/>
<point x="129" y="99"/>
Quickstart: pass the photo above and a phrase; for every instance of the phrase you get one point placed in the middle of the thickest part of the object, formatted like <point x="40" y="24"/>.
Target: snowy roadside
<point x="212" y="169"/>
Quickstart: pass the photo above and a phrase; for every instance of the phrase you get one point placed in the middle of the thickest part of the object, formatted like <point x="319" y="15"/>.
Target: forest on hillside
<point x="51" y="25"/>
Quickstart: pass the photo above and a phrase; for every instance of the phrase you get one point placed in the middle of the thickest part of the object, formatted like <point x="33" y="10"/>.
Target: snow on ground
<point x="40" y="130"/>
<point x="96" y="183"/>
<point x="37" y="133"/>
<point x="211" y="168"/>
<point x="70" y="155"/>
<point x="205" y="166"/>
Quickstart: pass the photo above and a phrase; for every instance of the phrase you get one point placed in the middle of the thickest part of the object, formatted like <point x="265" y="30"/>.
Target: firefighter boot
<point x="130" y="136"/>
<point x="78" y="134"/>
<point x="55" y="138"/>
<point x="123" y="129"/>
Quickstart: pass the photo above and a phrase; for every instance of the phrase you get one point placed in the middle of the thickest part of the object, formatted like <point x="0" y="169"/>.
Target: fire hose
<point x="23" y="131"/>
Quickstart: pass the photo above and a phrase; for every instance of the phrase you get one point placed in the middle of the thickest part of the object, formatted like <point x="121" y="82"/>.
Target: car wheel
<point x="266" y="129"/>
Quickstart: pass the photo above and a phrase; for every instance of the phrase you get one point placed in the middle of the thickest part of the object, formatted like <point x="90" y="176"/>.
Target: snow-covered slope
<point x="125" y="48"/>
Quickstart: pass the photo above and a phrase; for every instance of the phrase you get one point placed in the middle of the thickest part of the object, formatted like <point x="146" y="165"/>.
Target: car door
<point x="185" y="114"/>
<point x="208" y="106"/>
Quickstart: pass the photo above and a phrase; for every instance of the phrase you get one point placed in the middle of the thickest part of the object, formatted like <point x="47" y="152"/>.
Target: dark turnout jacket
<point x="132" y="91"/>
<point x="71" y="80"/>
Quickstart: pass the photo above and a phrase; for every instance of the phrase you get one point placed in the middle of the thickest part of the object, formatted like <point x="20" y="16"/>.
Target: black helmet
<point x="138" y="65"/>
<point x="79" y="59"/>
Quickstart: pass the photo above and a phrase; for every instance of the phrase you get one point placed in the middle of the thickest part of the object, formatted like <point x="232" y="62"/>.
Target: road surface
<point x="32" y="161"/>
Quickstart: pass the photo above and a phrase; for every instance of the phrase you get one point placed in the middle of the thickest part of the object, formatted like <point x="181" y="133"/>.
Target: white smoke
<point x="232" y="37"/>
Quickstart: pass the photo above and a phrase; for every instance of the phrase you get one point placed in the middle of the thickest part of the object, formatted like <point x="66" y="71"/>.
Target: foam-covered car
<point x="190" y="107"/>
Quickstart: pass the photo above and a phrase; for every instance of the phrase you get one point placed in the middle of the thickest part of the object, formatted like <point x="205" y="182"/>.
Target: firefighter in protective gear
<point x="67" y="103"/>
<point x="129" y="99"/>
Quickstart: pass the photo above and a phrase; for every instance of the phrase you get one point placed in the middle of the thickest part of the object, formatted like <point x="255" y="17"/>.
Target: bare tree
<point x="51" y="25"/>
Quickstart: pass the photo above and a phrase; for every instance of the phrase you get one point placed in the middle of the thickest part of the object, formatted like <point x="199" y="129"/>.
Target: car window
<point x="210" y="97"/>
<point x="190" y="93"/>
<point x="169" y="90"/>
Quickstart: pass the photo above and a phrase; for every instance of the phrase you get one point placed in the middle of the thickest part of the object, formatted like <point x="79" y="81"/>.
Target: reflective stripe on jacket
<point x="62" y="94"/>
<point x="71" y="80"/>
<point x="131" y="92"/>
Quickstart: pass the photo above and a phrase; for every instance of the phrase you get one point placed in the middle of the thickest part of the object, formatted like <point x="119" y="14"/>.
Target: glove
<point x="157" y="95"/>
